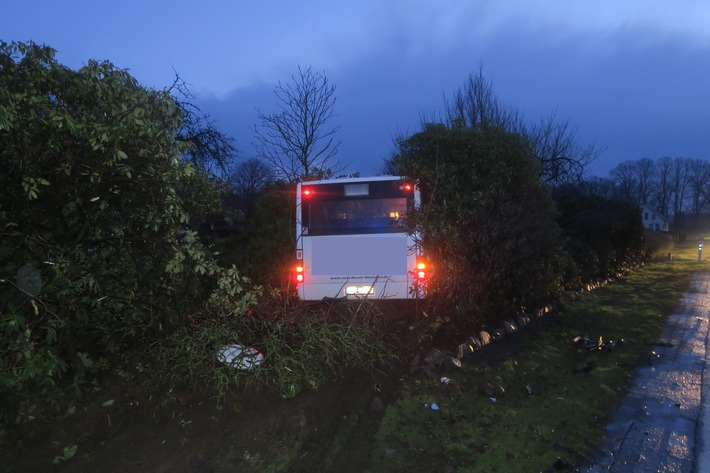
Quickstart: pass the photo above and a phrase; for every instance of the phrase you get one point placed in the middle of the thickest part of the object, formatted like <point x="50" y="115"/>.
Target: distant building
<point x="653" y="220"/>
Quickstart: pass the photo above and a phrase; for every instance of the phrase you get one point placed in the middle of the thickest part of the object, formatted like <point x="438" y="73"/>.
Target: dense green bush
<point x="487" y="221"/>
<point x="96" y="255"/>
<point x="265" y="248"/>
<point x="604" y="235"/>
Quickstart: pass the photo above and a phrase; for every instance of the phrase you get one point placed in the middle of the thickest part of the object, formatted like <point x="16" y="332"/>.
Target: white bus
<point x="352" y="243"/>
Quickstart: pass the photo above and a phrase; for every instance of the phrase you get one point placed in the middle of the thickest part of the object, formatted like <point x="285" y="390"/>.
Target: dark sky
<point x="632" y="76"/>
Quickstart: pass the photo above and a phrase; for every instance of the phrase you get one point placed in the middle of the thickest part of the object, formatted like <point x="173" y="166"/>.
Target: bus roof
<point x="346" y="180"/>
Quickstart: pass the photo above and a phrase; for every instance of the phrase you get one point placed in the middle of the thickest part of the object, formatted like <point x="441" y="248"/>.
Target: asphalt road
<point x="663" y="425"/>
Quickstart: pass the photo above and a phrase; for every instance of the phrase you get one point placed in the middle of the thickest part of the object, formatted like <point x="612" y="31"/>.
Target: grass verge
<point x="557" y="395"/>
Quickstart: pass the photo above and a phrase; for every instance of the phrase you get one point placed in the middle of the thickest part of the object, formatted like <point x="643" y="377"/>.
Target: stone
<point x="520" y="321"/>
<point x="487" y="389"/>
<point x="297" y="421"/>
<point x="509" y="327"/>
<point x="475" y="342"/>
<point x="435" y="358"/>
<point x="485" y="337"/>
<point x="451" y="364"/>
<point x="377" y="405"/>
<point x="461" y="350"/>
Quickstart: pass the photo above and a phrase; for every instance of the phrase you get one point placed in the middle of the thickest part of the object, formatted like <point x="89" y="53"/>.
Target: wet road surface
<point x="663" y="425"/>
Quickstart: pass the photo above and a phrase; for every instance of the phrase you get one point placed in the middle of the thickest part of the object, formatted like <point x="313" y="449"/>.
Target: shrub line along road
<point x="663" y="424"/>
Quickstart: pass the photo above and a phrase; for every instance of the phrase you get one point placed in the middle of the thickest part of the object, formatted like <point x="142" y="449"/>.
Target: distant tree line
<point x="675" y="187"/>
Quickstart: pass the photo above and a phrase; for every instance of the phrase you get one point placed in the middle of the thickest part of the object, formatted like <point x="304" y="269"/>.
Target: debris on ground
<point x="599" y="344"/>
<point x="489" y="390"/>
<point x="240" y="357"/>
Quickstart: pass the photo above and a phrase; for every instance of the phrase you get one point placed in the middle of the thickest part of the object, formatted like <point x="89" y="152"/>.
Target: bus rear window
<point x="343" y="217"/>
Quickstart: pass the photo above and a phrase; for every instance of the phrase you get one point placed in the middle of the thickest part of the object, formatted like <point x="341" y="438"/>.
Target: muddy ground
<point x="332" y="429"/>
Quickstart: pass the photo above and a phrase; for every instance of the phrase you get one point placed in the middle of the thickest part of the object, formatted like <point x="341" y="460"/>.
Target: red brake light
<point x="407" y="187"/>
<point x="421" y="270"/>
<point x="299" y="273"/>
<point x="307" y="192"/>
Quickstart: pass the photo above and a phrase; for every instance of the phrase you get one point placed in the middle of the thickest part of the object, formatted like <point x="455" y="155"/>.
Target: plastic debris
<point x="444" y="380"/>
<point x="240" y="357"/>
<point x="433" y="406"/>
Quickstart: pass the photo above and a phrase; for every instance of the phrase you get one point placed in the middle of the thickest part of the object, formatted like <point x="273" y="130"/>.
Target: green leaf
<point x="108" y="403"/>
<point x="70" y="451"/>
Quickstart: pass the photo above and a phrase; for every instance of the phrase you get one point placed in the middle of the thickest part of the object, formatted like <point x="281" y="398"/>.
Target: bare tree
<point x="681" y="179"/>
<point x="645" y="174"/>
<point x="598" y="186"/>
<point x="663" y="185"/>
<point x="699" y="182"/>
<point x="562" y="159"/>
<point x="297" y="141"/>
<point x="476" y="103"/>
<point x="625" y="178"/>
<point x="250" y="177"/>
<point x="209" y="148"/>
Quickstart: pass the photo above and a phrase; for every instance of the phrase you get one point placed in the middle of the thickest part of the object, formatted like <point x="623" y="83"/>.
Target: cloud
<point x="630" y="75"/>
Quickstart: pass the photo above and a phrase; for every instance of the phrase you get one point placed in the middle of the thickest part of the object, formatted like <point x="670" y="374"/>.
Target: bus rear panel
<point x="352" y="242"/>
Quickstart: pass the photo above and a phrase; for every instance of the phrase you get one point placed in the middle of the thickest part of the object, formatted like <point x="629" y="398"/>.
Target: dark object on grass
<point x="589" y="343"/>
<point x="598" y="344"/>
<point x="586" y="368"/>
<point x="560" y="464"/>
